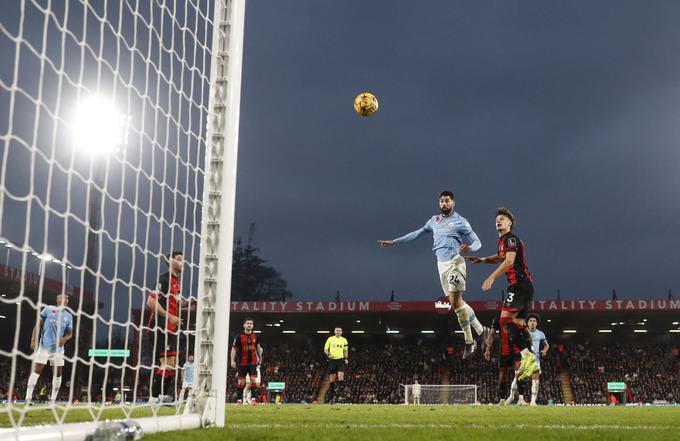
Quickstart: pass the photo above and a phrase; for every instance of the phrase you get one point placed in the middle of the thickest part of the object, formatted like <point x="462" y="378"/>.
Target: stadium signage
<point x="615" y="386"/>
<point x="301" y="306"/>
<point x="108" y="353"/>
<point x="276" y="385"/>
<point x="441" y="305"/>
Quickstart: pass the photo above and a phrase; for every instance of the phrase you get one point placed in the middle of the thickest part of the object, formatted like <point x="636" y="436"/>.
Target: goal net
<point x="440" y="393"/>
<point x="118" y="141"/>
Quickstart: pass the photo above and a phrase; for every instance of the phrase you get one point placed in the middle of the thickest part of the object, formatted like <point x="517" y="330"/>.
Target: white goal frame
<point x="408" y="390"/>
<point x="206" y="406"/>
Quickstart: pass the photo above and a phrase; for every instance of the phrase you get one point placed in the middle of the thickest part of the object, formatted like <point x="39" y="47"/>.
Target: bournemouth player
<point x="452" y="235"/>
<point x="162" y="326"/>
<point x="55" y="327"/>
<point x="508" y="360"/>
<point x="512" y="257"/>
<point x="246" y="358"/>
<point x="337" y="350"/>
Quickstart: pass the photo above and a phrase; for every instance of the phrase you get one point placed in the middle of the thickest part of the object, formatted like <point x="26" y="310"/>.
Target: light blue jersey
<point x="537" y="340"/>
<point x="188" y="372"/>
<point x="55" y="324"/>
<point x="448" y="233"/>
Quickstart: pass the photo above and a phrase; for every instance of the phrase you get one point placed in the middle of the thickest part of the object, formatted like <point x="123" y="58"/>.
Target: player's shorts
<point x="257" y="378"/>
<point x="187" y="385"/>
<point x="452" y="274"/>
<point x="509" y="361"/>
<point x="336" y="365"/>
<point x="518" y="298"/>
<point x="43" y="355"/>
<point x="159" y="344"/>
<point x="247" y="370"/>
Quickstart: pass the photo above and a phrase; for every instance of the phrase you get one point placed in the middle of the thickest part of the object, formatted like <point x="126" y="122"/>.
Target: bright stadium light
<point x="674" y="330"/>
<point x="289" y="332"/>
<point x="427" y="332"/>
<point x="98" y="127"/>
<point x="676" y="323"/>
<point x="639" y="330"/>
<point x="357" y="332"/>
<point x="391" y="331"/>
<point x="604" y="331"/>
<point x="323" y="332"/>
<point x="569" y="331"/>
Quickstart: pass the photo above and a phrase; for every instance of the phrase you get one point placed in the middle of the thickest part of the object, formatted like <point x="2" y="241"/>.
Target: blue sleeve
<point x="43" y="314"/>
<point x="70" y="322"/>
<point x="471" y="238"/>
<point x="414" y="234"/>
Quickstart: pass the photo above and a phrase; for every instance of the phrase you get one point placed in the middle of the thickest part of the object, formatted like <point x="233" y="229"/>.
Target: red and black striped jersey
<point x="167" y="295"/>
<point x="518" y="272"/>
<point x="246" y="348"/>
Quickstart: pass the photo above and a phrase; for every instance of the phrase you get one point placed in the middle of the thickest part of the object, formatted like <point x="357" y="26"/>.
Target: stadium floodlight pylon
<point x="440" y="393"/>
<point x="170" y="72"/>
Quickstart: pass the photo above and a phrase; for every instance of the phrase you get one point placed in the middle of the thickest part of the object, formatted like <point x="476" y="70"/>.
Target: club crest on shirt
<point x="512" y="242"/>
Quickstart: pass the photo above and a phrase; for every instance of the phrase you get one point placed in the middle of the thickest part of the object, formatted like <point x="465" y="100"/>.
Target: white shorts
<point x="43" y="355"/>
<point x="187" y="385"/>
<point x="452" y="274"/>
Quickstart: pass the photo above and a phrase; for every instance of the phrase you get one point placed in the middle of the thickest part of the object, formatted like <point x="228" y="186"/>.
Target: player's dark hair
<point x="534" y="316"/>
<point x="447" y="193"/>
<point x="248" y="319"/>
<point x="503" y="211"/>
<point x="174" y="253"/>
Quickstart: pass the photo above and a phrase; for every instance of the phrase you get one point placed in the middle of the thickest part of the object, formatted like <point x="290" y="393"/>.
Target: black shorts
<point x="247" y="369"/>
<point x="518" y="298"/>
<point x="160" y="344"/>
<point x="509" y="361"/>
<point x="336" y="365"/>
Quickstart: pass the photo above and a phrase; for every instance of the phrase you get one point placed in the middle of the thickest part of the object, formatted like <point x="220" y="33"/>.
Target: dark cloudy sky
<point x="566" y="112"/>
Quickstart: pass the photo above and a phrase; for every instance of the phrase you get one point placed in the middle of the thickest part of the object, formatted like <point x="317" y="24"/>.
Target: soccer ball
<point x="366" y="104"/>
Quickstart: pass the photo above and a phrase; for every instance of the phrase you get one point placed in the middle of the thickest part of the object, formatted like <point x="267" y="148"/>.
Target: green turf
<point x="413" y="423"/>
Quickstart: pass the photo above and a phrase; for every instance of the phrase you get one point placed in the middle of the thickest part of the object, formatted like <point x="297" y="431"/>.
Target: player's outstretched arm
<point x="488" y="259"/>
<point x="505" y="265"/>
<point x="410" y="237"/>
<point x="385" y="243"/>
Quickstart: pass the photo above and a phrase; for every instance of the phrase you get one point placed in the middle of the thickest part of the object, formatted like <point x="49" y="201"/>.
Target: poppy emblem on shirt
<point x="437" y="218"/>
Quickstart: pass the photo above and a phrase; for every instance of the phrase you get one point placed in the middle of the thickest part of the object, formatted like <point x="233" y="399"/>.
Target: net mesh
<point x="103" y="109"/>
<point x="440" y="394"/>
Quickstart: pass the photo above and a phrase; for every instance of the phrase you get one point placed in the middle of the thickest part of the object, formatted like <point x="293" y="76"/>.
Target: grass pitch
<point x="414" y="423"/>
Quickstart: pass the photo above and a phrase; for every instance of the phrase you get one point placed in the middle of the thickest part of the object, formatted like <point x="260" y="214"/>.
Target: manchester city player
<point x="57" y="328"/>
<point x="452" y="235"/>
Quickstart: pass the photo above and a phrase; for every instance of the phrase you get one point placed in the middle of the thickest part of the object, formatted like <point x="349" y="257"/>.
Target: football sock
<point x="534" y="391"/>
<point x="56" y="385"/>
<point x="513" y="389"/>
<point x="32" y="379"/>
<point x="472" y="318"/>
<point x="464" y="322"/>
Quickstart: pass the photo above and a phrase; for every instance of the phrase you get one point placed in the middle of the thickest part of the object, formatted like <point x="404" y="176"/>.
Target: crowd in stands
<point x="651" y="372"/>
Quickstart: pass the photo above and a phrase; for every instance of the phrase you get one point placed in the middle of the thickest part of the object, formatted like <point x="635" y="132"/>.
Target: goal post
<point x="119" y="124"/>
<point x="440" y="393"/>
